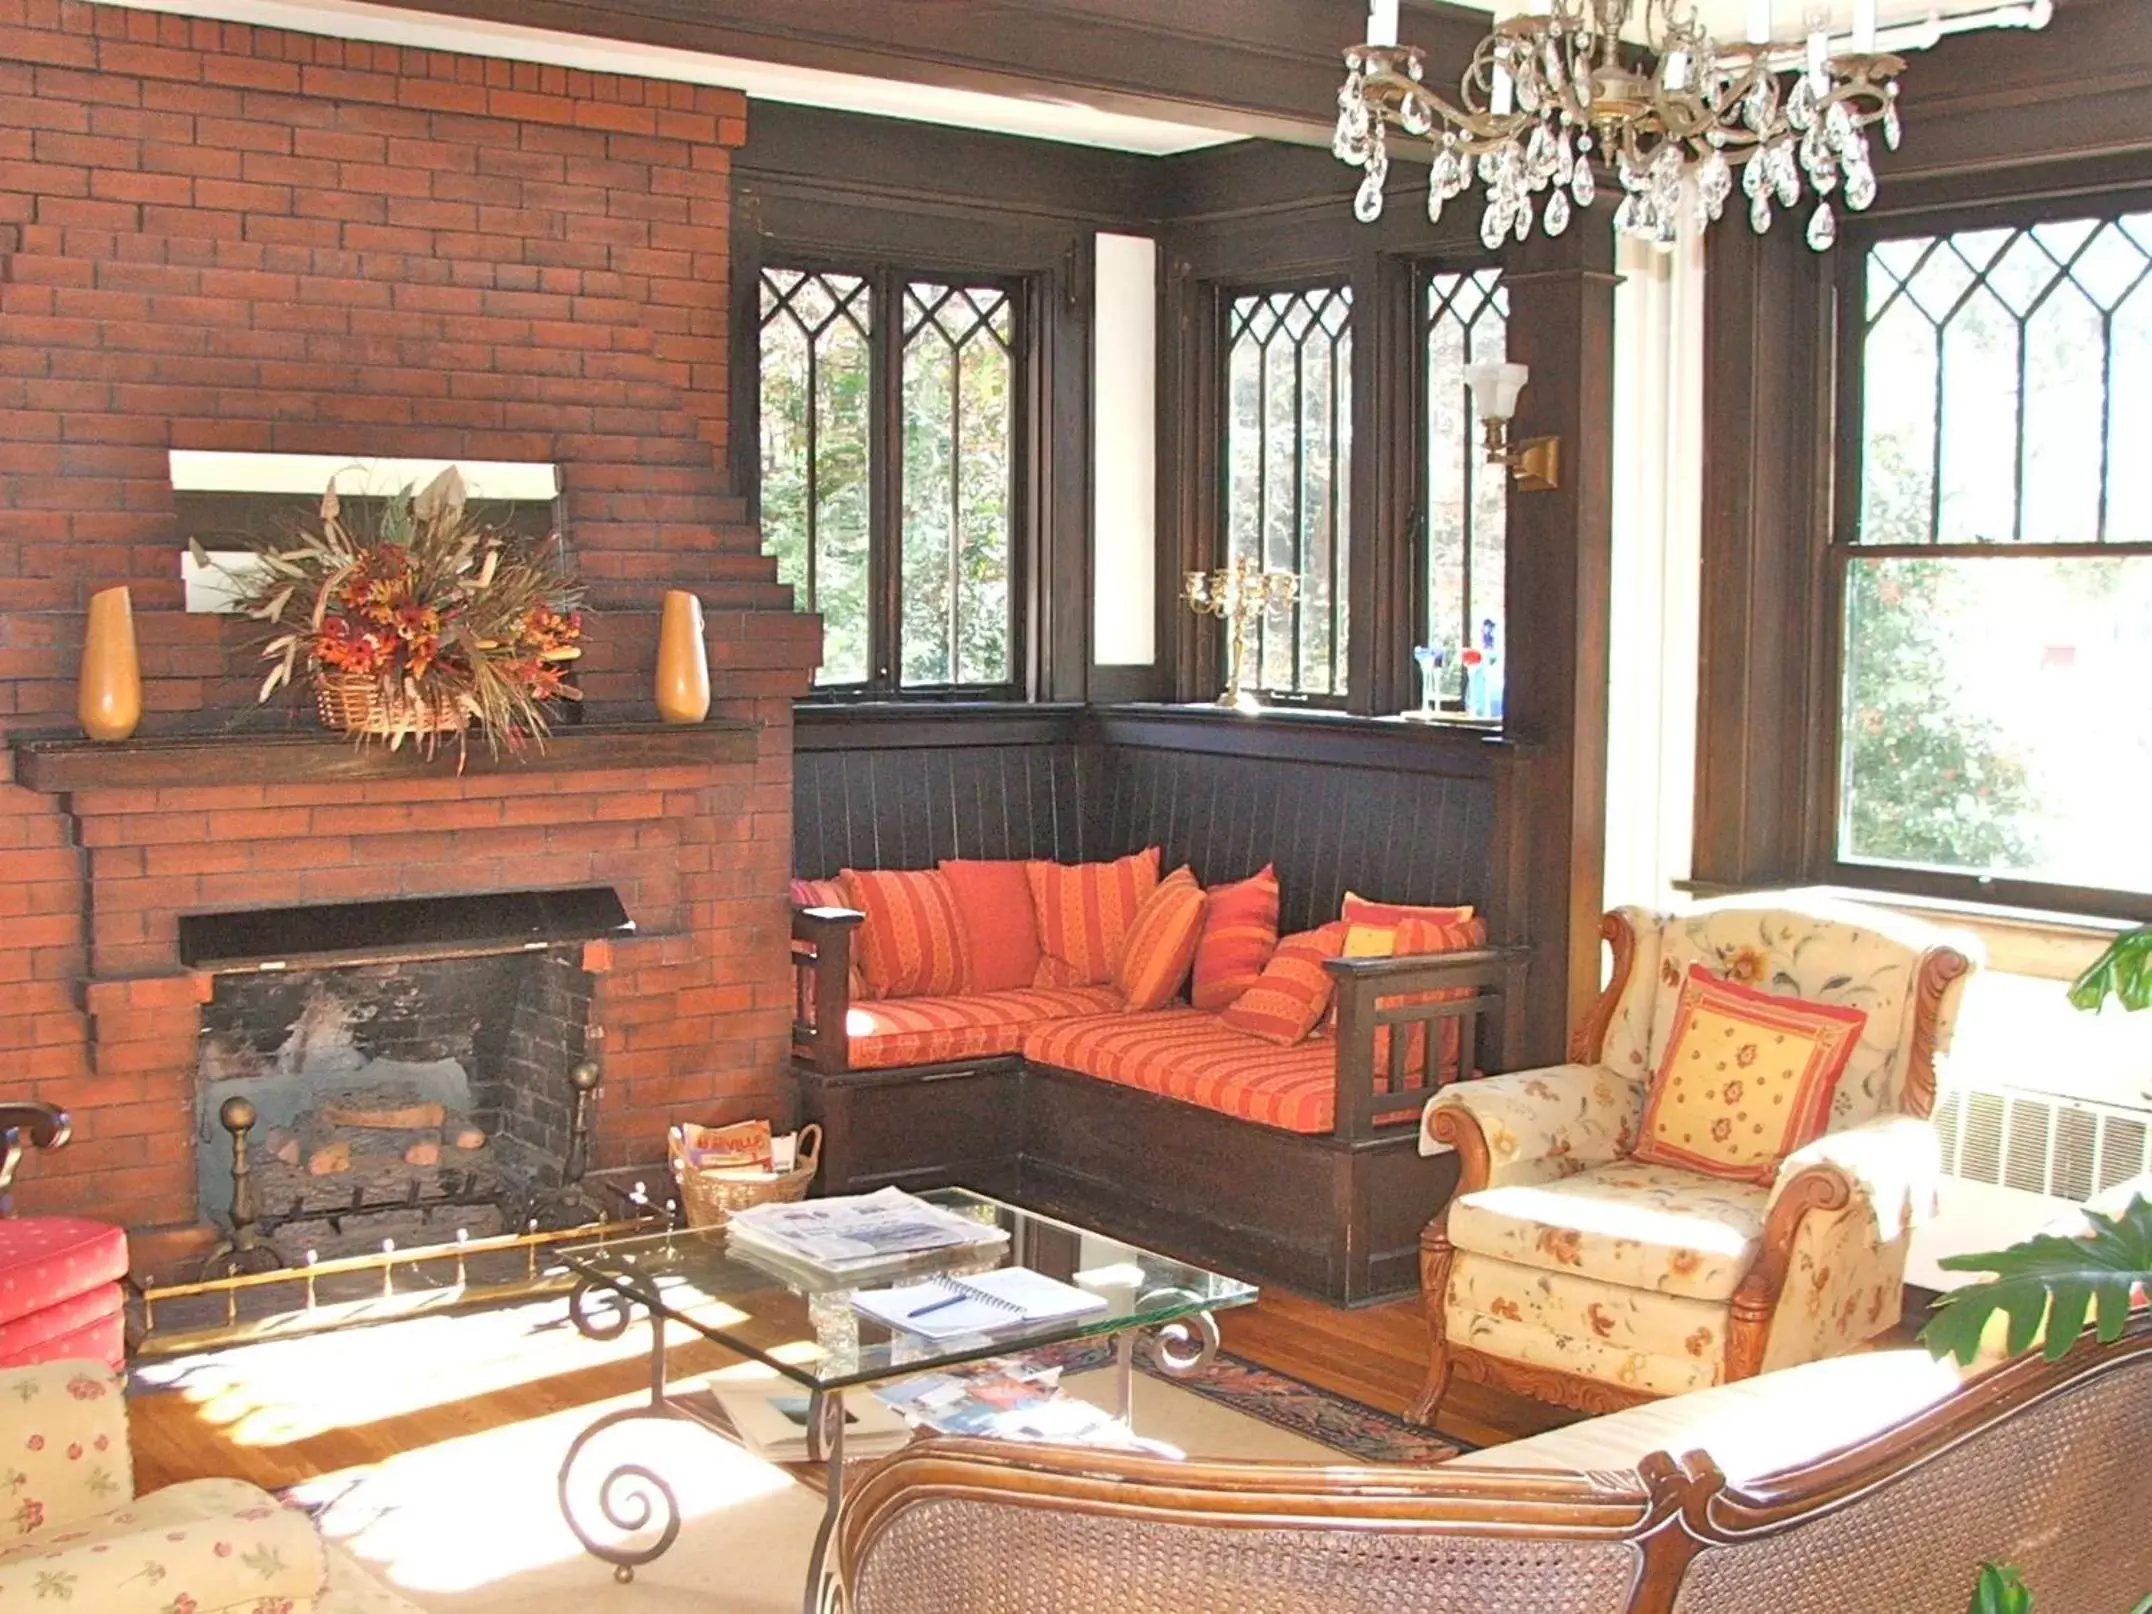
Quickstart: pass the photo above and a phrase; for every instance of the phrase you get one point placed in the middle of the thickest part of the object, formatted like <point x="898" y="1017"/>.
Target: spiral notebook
<point x="945" y="1307"/>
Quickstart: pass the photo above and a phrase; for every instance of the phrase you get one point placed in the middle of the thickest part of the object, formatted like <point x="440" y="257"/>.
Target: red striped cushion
<point x="1293" y="990"/>
<point x="1085" y="911"/>
<point x="1189" y="1055"/>
<point x="912" y="944"/>
<point x="1240" y="932"/>
<point x="978" y="1025"/>
<point x="1161" y="943"/>
<point x="1358" y="910"/>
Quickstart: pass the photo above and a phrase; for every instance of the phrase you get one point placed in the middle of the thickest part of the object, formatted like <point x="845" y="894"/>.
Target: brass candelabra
<point x="1238" y="594"/>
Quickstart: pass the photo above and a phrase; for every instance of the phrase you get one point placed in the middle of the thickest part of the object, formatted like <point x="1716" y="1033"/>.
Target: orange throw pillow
<point x="912" y="944"/>
<point x="1085" y="911"/>
<point x="1161" y="943"/>
<point x="1359" y="911"/>
<point x="1001" y="927"/>
<point x="1747" y="1079"/>
<point x="1240" y="932"/>
<point x="1293" y="990"/>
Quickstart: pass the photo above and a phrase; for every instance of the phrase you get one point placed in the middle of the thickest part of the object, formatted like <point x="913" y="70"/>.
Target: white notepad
<point x="992" y="1301"/>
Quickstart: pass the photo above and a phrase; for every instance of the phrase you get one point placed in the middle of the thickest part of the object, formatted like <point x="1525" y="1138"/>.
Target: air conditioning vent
<point x="2066" y="1148"/>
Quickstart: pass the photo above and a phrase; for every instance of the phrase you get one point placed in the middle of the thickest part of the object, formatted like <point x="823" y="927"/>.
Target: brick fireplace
<point x="222" y="237"/>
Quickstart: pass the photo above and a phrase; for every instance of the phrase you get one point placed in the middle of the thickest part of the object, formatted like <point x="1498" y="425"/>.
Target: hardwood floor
<point x="283" y="1413"/>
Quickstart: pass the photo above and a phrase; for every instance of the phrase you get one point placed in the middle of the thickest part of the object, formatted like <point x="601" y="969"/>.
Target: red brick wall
<point x="222" y="237"/>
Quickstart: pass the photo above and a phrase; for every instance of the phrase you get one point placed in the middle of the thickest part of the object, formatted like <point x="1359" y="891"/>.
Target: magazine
<point x="1007" y="1398"/>
<point x="858" y="1230"/>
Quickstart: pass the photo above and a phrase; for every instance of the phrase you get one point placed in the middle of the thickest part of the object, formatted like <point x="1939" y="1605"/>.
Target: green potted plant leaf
<point x="2125" y="970"/>
<point x="2048" y="1279"/>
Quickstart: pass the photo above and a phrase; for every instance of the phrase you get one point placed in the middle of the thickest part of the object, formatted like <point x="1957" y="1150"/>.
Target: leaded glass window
<point x="1288" y="474"/>
<point x="890" y="426"/>
<point x="816" y="406"/>
<point x="959" y="487"/>
<point x="1995" y="586"/>
<point x="1466" y="321"/>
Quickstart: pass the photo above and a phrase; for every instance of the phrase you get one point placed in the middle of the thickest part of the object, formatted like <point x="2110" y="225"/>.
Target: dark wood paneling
<point x="1256" y="67"/>
<point x="1403" y="829"/>
<point x="903" y="788"/>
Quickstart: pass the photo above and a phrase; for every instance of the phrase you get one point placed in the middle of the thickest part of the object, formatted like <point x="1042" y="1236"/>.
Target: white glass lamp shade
<point x="1495" y="387"/>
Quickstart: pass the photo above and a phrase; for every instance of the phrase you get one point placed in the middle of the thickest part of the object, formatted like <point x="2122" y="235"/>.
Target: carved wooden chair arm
<point x="25" y="1121"/>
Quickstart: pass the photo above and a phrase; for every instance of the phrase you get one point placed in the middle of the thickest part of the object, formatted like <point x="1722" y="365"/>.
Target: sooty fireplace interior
<point x="408" y="1062"/>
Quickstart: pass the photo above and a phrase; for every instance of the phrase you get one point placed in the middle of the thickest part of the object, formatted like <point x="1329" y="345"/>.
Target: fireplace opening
<point x="397" y="1095"/>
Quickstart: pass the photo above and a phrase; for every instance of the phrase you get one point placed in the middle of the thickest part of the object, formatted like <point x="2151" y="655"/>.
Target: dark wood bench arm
<point x="1491" y="983"/>
<point x="822" y="985"/>
<point x="41" y="1126"/>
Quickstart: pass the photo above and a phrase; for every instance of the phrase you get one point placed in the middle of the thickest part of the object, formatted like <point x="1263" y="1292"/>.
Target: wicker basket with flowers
<point x="431" y="622"/>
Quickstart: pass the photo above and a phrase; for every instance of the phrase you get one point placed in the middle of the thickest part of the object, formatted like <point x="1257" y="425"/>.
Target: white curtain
<point x="1653" y="645"/>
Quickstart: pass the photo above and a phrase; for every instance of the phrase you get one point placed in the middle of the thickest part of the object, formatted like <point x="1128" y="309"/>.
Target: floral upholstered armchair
<point x="74" y="1535"/>
<point x="1567" y="1269"/>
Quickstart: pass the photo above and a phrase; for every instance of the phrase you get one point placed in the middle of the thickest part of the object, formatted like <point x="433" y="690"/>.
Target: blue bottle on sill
<point x="1483" y="679"/>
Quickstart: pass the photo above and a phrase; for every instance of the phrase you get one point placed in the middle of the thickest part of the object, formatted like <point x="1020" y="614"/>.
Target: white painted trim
<point x="1042" y="118"/>
<point x="308" y="475"/>
<point x="1124" y="452"/>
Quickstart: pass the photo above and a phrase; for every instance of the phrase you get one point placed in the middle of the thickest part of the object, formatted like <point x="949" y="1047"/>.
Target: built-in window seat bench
<point x="1296" y="1165"/>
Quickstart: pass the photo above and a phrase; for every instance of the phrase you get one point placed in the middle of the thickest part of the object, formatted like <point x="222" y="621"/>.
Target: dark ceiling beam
<point x="1268" y="68"/>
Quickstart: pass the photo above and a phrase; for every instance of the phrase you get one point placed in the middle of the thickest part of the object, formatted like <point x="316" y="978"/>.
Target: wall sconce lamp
<point x="1535" y="464"/>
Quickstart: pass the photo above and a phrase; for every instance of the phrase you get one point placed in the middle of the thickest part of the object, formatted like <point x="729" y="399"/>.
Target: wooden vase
<point x="683" y="672"/>
<point x="108" y="695"/>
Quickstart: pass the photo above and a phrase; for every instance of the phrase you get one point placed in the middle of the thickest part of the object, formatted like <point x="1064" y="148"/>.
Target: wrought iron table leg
<point x="825" y="1440"/>
<point x="625" y="1494"/>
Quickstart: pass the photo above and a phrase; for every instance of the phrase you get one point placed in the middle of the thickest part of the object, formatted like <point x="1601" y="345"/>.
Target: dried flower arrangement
<point x="414" y="630"/>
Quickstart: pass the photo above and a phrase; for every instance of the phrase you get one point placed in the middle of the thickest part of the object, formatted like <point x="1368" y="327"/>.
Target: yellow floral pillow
<point x="1747" y="1079"/>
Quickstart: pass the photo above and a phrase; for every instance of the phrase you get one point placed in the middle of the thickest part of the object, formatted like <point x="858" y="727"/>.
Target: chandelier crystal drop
<point x="1547" y="93"/>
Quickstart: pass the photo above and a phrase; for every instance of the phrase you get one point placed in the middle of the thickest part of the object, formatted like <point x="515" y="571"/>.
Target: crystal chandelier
<point x="1548" y="92"/>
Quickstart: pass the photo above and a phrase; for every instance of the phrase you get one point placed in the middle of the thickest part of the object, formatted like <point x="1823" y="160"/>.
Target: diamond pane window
<point x="2008" y="390"/>
<point x="1288" y="474"/>
<point x="1996" y="595"/>
<point x="1467" y="322"/>
<point x="889" y="427"/>
<point x="816" y="403"/>
<point x="959" y="485"/>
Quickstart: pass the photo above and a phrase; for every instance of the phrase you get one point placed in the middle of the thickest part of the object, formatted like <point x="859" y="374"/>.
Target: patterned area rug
<point x="1364" y="1433"/>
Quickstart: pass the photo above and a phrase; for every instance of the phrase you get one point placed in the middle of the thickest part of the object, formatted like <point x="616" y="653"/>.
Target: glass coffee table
<point x="803" y="1325"/>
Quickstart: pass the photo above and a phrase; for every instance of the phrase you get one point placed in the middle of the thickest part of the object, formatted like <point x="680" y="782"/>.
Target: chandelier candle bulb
<point x="1504" y="93"/>
<point x="1382" y="22"/>
<point x="1864" y="26"/>
<point x="1759" y="22"/>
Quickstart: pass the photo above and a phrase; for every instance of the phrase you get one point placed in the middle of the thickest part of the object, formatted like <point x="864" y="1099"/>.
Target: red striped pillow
<point x="1161" y="943"/>
<point x="1293" y="990"/>
<point x="1085" y="911"/>
<point x="1240" y="932"/>
<point x="912" y="944"/>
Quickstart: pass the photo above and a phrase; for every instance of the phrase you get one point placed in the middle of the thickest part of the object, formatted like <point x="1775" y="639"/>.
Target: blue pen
<point x="939" y="1305"/>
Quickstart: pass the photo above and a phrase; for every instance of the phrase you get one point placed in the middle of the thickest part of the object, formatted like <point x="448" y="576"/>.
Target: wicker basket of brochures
<point x="710" y="1194"/>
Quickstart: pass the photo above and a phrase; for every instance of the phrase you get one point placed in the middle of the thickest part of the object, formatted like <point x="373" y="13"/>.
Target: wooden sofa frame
<point x="1820" y="1189"/>
<point x="1334" y="1215"/>
<point x="1670" y="1511"/>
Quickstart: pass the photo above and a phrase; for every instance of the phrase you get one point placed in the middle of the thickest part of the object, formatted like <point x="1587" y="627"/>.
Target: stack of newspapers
<point x="858" y="1231"/>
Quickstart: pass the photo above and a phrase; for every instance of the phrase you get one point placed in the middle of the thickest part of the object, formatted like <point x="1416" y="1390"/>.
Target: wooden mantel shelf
<point x="61" y="766"/>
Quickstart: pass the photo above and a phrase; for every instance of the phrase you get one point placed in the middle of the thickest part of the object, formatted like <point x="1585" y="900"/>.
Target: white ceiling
<point x="1906" y="24"/>
<point x="1041" y="118"/>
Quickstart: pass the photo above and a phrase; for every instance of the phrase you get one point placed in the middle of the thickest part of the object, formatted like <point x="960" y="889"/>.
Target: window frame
<point x="888" y="279"/>
<point x="1840" y="549"/>
<point x="1344" y="548"/>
